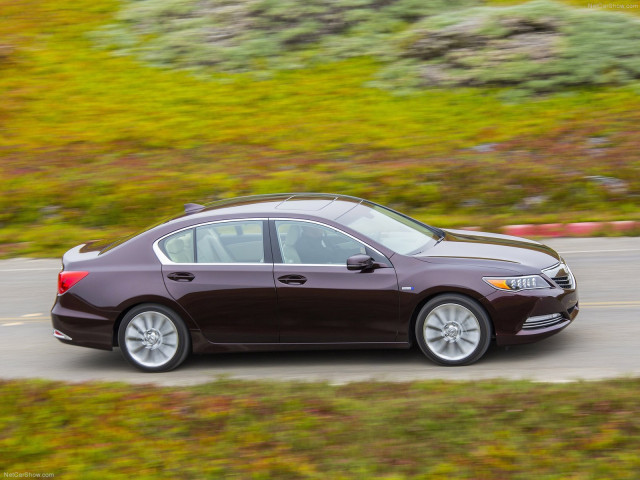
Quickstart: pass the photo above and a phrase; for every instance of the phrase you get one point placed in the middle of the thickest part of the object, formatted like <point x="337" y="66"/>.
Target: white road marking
<point x="611" y="304"/>
<point x="601" y="251"/>
<point x="28" y="315"/>
<point x="614" y="302"/>
<point x="11" y="324"/>
<point x="30" y="319"/>
<point x="30" y="269"/>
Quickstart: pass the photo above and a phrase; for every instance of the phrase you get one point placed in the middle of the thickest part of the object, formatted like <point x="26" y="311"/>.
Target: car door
<point x="319" y="299"/>
<point x="221" y="273"/>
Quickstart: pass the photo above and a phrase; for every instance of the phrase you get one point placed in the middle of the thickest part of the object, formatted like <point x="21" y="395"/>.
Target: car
<point x="308" y="271"/>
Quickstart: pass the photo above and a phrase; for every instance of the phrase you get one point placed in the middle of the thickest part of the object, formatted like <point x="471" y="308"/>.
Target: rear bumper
<point x="81" y="328"/>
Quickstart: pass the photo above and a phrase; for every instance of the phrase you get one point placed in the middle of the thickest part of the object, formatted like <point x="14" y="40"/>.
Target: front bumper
<point x="521" y="317"/>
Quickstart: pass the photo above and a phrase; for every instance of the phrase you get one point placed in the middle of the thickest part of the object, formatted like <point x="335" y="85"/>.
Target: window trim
<point x="268" y="259"/>
<point x="270" y="241"/>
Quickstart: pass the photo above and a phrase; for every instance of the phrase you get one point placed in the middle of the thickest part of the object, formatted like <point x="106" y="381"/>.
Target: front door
<point x="319" y="300"/>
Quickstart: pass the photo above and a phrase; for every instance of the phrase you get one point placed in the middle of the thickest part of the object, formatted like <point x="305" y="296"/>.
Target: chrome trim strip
<point x="169" y="262"/>
<point x="332" y="265"/>
<point x="552" y="273"/>
<point x="543" y="321"/>
<point x="58" y="334"/>
<point x="552" y="267"/>
<point x="540" y="318"/>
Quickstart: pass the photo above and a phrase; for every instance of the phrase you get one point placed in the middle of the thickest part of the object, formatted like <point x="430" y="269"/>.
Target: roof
<point x="322" y="205"/>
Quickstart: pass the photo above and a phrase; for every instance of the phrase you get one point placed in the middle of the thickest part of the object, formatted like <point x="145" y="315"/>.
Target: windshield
<point x="393" y="230"/>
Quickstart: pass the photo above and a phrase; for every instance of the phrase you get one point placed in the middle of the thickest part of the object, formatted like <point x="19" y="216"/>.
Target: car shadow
<point x="496" y="355"/>
<point x="336" y="366"/>
<point x="306" y="358"/>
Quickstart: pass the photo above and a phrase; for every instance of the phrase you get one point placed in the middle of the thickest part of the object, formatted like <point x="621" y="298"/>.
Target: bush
<point x="246" y="35"/>
<point x="539" y="46"/>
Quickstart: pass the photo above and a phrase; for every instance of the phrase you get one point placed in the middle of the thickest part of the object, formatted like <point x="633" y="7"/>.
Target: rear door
<point x="222" y="274"/>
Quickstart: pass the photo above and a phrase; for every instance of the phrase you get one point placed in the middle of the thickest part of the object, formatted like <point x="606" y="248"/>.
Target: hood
<point x="493" y="247"/>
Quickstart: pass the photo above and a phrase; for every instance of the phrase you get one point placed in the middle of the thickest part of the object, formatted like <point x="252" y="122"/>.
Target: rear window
<point x="179" y="247"/>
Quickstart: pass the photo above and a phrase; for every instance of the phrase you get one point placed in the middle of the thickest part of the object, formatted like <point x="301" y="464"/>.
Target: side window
<point x="310" y="243"/>
<point x="178" y="247"/>
<point x="230" y="242"/>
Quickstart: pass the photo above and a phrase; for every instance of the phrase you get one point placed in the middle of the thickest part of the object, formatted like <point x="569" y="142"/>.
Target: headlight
<point x="515" y="284"/>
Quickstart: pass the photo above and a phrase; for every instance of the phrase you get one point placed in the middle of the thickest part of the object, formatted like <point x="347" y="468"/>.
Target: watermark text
<point x="28" y="475"/>
<point x="614" y="6"/>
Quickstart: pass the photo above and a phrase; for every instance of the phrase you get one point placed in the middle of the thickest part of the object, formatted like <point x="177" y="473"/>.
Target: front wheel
<point x="453" y="329"/>
<point x="153" y="338"/>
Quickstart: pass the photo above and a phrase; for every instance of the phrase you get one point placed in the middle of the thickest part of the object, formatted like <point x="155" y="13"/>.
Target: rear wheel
<point x="153" y="338"/>
<point x="452" y="329"/>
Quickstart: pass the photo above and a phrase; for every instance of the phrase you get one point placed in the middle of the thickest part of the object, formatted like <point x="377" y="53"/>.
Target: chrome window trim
<point x="322" y="225"/>
<point x="164" y="260"/>
<point x="333" y="265"/>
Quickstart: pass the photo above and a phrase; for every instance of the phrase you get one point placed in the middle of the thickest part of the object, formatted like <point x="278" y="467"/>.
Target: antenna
<point x="192" y="207"/>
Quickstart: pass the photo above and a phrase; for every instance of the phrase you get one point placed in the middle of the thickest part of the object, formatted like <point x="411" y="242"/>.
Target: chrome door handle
<point x="292" y="279"/>
<point x="181" y="276"/>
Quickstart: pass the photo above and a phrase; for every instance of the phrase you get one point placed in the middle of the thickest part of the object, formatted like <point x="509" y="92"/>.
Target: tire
<point x="453" y="329"/>
<point x="153" y="338"/>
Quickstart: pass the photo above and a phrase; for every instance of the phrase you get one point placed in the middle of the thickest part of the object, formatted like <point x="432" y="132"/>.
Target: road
<point x="603" y="342"/>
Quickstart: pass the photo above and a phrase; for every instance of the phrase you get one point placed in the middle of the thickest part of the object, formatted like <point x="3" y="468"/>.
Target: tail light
<point x="66" y="280"/>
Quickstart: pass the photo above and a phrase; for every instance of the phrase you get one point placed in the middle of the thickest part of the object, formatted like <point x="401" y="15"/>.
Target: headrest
<point x="174" y="245"/>
<point x="292" y="235"/>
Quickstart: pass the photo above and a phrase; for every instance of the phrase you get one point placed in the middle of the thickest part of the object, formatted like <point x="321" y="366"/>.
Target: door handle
<point x="181" y="276"/>
<point x="292" y="279"/>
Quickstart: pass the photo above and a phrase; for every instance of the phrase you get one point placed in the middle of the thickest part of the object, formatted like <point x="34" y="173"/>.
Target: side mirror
<point x="360" y="262"/>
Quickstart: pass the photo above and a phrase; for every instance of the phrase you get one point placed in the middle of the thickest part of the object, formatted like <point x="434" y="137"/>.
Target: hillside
<point x="97" y="139"/>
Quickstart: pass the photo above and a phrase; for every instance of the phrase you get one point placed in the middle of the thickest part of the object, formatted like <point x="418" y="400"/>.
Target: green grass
<point x="93" y="144"/>
<point x="260" y="430"/>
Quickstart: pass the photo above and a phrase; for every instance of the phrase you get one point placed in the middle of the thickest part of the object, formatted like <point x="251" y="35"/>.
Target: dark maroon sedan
<point x="299" y="271"/>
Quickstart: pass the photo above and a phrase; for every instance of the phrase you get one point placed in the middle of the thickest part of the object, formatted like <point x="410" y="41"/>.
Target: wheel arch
<point x="471" y="294"/>
<point x="162" y="301"/>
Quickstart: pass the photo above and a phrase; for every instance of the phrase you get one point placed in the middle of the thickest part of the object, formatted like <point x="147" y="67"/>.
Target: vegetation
<point x="93" y="143"/>
<point x="539" y="46"/>
<point x="249" y="35"/>
<point x="536" y="46"/>
<point x="435" y="430"/>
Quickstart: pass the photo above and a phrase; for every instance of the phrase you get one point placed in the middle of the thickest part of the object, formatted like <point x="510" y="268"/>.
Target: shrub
<point x="245" y="35"/>
<point x="539" y="46"/>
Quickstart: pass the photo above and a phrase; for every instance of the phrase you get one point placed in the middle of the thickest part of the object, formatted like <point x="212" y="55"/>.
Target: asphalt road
<point x="603" y="342"/>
